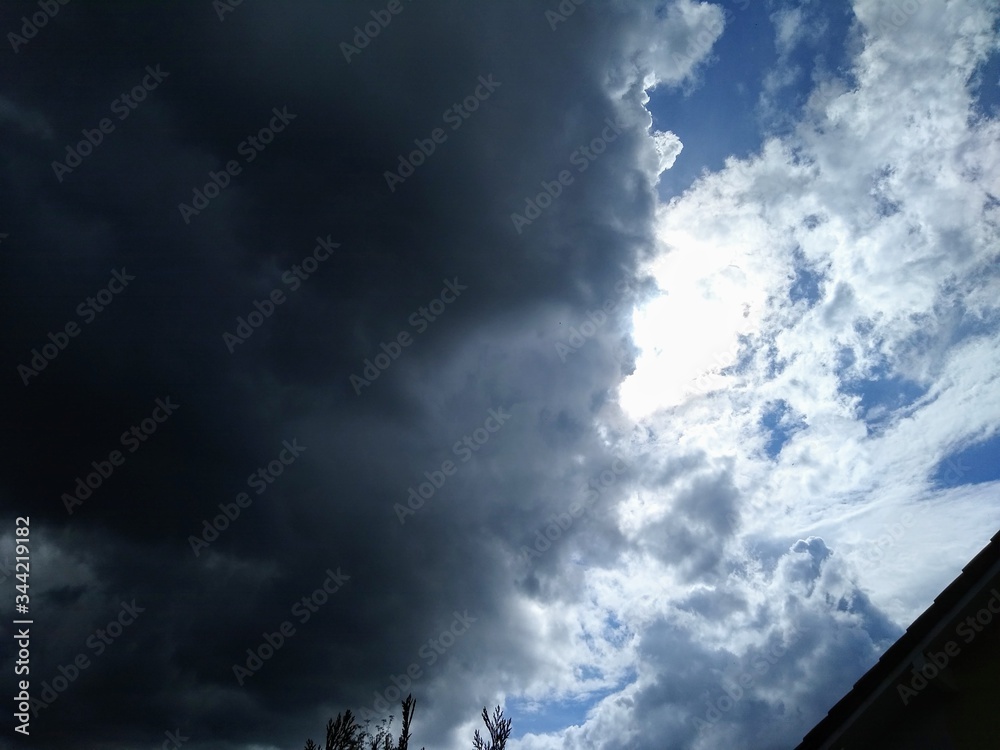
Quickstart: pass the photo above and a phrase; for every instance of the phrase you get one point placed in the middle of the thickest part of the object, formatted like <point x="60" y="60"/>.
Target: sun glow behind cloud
<point x="690" y="334"/>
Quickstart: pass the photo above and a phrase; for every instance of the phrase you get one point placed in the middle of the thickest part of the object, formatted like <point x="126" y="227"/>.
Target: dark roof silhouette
<point x="874" y="700"/>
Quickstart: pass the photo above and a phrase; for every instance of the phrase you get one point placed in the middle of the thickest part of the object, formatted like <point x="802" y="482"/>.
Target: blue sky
<point x="975" y="464"/>
<point x="722" y="112"/>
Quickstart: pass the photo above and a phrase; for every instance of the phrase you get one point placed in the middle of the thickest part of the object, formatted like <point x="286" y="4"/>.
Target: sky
<point x="629" y="365"/>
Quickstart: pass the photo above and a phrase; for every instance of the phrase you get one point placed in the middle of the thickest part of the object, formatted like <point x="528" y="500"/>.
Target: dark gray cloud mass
<point x="161" y="337"/>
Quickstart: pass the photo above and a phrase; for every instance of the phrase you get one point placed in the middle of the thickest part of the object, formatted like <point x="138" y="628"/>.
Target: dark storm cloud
<point x="314" y="178"/>
<point x="694" y="533"/>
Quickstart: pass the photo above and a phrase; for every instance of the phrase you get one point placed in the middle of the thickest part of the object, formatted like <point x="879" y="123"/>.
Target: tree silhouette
<point x="344" y="732"/>
<point x="499" y="731"/>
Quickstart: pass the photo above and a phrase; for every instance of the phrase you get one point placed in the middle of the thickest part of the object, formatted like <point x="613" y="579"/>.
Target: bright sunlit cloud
<point x="690" y="334"/>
